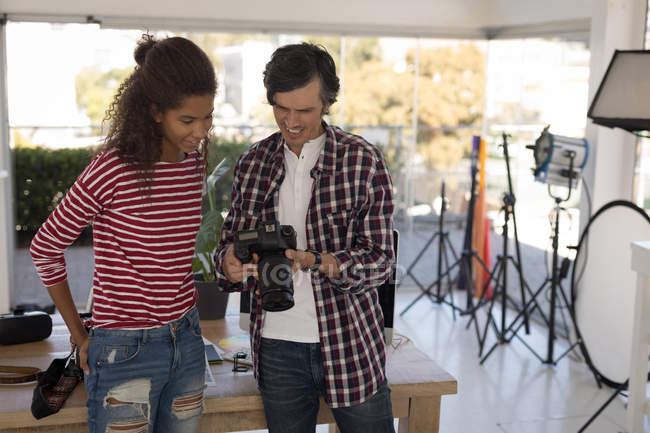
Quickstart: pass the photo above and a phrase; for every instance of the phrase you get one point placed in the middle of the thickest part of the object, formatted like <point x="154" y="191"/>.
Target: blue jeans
<point x="291" y="380"/>
<point x="147" y="380"/>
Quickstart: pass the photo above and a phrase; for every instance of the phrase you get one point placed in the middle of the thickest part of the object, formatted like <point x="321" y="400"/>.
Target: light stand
<point x="555" y="159"/>
<point x="558" y="273"/>
<point x="499" y="273"/>
<point x="443" y="257"/>
<point x="464" y="262"/>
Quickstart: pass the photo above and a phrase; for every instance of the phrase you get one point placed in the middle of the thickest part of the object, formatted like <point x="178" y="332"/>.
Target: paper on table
<point x="209" y="378"/>
<point x="232" y="345"/>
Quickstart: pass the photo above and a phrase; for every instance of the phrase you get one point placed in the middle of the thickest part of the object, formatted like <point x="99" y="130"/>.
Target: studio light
<point x="559" y="160"/>
<point x="622" y="97"/>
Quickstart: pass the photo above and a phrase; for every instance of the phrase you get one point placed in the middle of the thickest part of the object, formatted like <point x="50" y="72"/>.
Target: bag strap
<point x="10" y="374"/>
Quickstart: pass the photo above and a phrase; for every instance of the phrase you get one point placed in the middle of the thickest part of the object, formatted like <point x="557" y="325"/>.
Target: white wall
<point x="6" y="196"/>
<point x="616" y="24"/>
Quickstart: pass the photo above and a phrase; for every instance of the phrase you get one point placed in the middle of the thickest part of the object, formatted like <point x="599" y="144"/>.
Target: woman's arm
<point x="60" y="294"/>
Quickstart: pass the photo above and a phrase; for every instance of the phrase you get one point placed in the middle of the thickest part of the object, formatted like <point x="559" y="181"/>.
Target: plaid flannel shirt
<point x="349" y="216"/>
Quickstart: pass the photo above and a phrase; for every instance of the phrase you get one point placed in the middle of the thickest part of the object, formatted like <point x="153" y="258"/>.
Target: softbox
<point x="623" y="94"/>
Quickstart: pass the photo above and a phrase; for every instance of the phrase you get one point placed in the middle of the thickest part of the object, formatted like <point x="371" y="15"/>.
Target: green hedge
<point x="41" y="179"/>
<point x="43" y="176"/>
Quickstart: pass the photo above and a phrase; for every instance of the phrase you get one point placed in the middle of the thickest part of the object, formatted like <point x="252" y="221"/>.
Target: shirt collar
<point x="326" y="161"/>
<point x="310" y="150"/>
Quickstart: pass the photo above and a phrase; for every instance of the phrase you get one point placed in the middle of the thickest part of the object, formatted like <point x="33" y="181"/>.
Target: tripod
<point x="499" y="273"/>
<point x="557" y="274"/>
<point x="464" y="262"/>
<point x="443" y="256"/>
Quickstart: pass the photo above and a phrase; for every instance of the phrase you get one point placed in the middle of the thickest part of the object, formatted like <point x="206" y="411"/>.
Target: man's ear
<point x="155" y="113"/>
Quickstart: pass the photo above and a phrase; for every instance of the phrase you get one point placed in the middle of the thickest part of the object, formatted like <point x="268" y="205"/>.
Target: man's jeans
<point x="292" y="379"/>
<point x="147" y="380"/>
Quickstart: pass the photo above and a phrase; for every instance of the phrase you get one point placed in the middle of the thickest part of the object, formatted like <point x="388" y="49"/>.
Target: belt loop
<point x="191" y="318"/>
<point x="145" y="335"/>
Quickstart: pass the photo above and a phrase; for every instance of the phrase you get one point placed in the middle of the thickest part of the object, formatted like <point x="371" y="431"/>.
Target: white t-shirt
<point x="298" y="323"/>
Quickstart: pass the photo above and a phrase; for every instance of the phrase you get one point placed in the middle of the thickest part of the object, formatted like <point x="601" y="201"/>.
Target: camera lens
<point x="276" y="282"/>
<point x="282" y="274"/>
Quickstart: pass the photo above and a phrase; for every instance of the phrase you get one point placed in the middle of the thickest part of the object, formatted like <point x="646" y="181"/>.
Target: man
<point x="335" y="190"/>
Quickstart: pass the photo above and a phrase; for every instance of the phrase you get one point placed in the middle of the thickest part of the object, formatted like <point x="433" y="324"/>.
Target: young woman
<point x="143" y="357"/>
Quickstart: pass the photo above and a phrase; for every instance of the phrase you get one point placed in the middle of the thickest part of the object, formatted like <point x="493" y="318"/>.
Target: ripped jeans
<point x="146" y="381"/>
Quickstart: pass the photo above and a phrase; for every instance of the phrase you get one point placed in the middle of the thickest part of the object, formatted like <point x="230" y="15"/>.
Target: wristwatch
<point x="317" y="261"/>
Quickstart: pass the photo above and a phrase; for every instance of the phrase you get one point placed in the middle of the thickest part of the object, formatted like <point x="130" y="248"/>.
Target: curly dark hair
<point x="294" y="66"/>
<point x="167" y="71"/>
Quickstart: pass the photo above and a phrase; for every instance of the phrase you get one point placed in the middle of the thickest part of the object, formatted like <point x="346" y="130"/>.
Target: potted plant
<point x="212" y="301"/>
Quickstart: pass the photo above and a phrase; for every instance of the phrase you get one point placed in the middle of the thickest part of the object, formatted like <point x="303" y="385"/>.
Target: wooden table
<point x="417" y="384"/>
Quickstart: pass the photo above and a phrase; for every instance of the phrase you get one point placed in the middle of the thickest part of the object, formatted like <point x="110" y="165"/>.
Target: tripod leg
<point x="408" y="307"/>
<point x="449" y="283"/>
<point x="495" y="275"/>
<point x="600" y="409"/>
<point x="472" y="308"/>
<point x="415" y="262"/>
<point x="530" y="302"/>
<point x="518" y="266"/>
<point x="451" y="247"/>
<point x="490" y="319"/>
<point x="533" y="300"/>
<point x="564" y="298"/>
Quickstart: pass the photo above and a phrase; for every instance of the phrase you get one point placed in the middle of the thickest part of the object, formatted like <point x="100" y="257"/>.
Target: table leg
<point x="639" y="359"/>
<point x="424" y="416"/>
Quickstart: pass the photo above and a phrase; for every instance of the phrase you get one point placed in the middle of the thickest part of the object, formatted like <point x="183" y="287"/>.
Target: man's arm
<point x="368" y="263"/>
<point x="223" y="275"/>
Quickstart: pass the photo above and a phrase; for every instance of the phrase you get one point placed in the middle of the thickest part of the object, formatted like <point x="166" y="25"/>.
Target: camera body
<point x="270" y="240"/>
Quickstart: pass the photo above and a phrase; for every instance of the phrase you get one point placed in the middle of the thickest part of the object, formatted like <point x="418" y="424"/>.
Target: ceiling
<point x="425" y="18"/>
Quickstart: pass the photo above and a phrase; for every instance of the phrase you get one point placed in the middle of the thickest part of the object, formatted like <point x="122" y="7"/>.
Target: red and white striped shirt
<point x="143" y="240"/>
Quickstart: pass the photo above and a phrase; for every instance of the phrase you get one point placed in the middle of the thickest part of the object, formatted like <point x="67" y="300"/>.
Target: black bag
<point x="25" y="327"/>
<point x="55" y="385"/>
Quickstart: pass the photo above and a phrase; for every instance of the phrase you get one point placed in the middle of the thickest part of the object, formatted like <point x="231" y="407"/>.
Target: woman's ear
<point x="155" y="113"/>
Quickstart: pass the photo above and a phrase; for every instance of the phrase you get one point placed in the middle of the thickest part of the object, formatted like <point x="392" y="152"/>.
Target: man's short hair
<point x="294" y="66"/>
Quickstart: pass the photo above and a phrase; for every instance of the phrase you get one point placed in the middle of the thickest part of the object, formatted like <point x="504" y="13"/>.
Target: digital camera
<point x="269" y="241"/>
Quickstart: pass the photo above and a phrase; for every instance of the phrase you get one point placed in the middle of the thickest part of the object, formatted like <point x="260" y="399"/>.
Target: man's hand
<point x="301" y="260"/>
<point x="235" y="270"/>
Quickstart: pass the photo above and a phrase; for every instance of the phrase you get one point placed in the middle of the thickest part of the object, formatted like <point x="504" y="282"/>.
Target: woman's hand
<point x="82" y="349"/>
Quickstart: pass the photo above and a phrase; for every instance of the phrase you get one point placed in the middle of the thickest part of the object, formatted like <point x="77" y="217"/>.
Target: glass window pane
<point x="533" y="83"/>
<point x="451" y="85"/>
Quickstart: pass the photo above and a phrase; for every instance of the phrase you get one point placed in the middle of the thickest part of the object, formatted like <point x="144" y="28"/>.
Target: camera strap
<point x="10" y="374"/>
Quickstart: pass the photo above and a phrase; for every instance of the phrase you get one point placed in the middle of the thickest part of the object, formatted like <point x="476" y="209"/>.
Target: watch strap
<point x="317" y="261"/>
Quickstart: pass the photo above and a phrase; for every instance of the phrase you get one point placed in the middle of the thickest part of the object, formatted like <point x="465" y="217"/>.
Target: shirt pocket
<point x="340" y="231"/>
